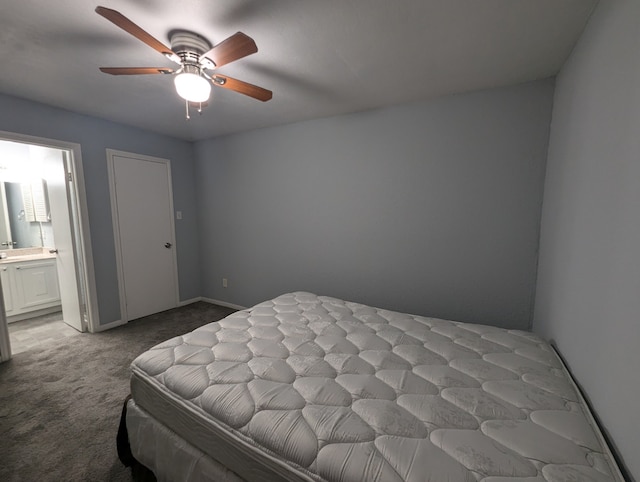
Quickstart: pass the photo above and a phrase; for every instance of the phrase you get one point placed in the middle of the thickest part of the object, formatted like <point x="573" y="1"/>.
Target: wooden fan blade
<point x="242" y="87"/>
<point x="135" y="70"/>
<point x="128" y="26"/>
<point x="235" y="47"/>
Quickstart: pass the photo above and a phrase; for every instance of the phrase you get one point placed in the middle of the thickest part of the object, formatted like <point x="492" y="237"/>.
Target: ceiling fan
<point x="196" y="57"/>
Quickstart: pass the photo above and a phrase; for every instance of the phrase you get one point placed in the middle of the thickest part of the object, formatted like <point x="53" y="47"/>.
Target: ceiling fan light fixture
<point x="192" y="87"/>
<point x="195" y="55"/>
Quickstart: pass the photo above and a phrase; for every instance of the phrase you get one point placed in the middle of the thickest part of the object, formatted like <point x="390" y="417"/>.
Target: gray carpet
<point x="60" y="406"/>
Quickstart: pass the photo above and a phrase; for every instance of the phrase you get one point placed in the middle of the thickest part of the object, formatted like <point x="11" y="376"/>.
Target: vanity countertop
<point x="26" y="254"/>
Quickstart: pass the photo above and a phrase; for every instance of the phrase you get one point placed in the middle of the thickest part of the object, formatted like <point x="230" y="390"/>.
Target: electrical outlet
<point x="224" y="282"/>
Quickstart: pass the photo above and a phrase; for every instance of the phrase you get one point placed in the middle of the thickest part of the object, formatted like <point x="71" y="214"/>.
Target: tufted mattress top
<point x="306" y="387"/>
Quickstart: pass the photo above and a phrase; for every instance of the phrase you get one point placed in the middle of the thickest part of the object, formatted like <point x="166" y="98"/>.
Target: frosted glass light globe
<point x="192" y="87"/>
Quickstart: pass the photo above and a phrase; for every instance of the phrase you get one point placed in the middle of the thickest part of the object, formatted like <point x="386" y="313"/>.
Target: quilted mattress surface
<point x="340" y="391"/>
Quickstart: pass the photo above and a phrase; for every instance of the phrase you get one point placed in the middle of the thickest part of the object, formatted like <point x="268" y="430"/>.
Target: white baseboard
<point x="108" y="326"/>
<point x="190" y="301"/>
<point x="223" y="303"/>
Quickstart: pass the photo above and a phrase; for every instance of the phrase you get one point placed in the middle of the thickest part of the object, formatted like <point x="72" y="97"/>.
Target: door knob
<point x="53" y="251"/>
<point x="167" y="245"/>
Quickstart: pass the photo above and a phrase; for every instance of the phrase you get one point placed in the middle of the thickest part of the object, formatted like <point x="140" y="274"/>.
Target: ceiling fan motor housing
<point x="189" y="46"/>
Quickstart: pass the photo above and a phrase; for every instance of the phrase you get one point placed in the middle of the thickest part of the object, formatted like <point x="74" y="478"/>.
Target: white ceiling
<point x="319" y="57"/>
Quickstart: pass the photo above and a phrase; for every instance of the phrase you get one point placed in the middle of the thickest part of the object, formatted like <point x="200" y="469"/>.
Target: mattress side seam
<point x="261" y="455"/>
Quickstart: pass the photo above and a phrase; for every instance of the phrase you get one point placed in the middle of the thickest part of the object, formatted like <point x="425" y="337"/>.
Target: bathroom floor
<point x="38" y="332"/>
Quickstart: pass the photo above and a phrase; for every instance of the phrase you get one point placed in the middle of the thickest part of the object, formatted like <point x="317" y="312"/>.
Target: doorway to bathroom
<point x="46" y="270"/>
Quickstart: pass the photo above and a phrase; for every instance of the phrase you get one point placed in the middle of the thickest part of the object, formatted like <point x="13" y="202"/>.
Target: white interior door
<point x="54" y="170"/>
<point x="143" y="225"/>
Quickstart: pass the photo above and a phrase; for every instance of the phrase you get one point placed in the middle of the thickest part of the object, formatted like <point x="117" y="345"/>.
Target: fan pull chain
<point x="186" y="105"/>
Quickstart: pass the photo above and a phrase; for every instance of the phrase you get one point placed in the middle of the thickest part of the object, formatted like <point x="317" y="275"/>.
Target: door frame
<point x="84" y="253"/>
<point x="111" y="153"/>
<point x="5" y="344"/>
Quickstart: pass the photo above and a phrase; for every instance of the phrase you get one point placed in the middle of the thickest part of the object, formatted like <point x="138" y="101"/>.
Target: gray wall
<point x="431" y="208"/>
<point x="94" y="136"/>
<point x="588" y="295"/>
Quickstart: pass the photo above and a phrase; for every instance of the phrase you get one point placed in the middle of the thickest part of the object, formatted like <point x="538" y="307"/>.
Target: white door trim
<point x="84" y="250"/>
<point x="5" y="346"/>
<point x="111" y="153"/>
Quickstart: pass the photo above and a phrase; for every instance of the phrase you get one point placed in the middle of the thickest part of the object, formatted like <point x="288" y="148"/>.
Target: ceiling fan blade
<point x="242" y="87"/>
<point x="128" y="26"/>
<point x="135" y="70"/>
<point x="233" y="48"/>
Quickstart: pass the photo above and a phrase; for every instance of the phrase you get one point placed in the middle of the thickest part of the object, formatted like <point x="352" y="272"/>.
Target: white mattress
<point x="305" y="387"/>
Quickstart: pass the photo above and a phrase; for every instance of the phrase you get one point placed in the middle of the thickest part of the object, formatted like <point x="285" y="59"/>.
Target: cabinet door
<point x="37" y="283"/>
<point x="7" y="288"/>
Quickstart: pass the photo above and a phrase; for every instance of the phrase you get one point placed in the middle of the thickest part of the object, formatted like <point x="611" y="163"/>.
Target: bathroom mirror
<point x="25" y="221"/>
